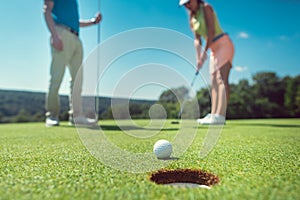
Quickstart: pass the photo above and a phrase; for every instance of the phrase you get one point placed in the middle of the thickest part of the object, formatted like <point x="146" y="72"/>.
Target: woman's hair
<point x="194" y="13"/>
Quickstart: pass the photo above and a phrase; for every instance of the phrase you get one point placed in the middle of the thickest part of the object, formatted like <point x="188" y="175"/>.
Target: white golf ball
<point x="162" y="149"/>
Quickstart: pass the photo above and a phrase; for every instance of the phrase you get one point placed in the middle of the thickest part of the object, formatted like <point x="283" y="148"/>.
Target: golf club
<point x="193" y="81"/>
<point x="98" y="63"/>
<point x="184" y="101"/>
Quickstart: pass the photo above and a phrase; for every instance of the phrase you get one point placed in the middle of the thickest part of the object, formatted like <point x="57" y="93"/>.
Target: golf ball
<point x="162" y="149"/>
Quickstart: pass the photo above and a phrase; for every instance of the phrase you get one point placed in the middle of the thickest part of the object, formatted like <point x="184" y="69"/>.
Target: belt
<point x="69" y="29"/>
<point x="74" y="32"/>
<point x="219" y="36"/>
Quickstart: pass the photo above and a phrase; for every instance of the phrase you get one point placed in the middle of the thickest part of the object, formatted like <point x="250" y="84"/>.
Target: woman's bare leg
<point x="214" y="94"/>
<point x="223" y="94"/>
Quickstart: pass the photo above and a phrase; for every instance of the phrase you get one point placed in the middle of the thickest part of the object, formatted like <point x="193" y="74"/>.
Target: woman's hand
<point x="199" y="65"/>
<point x="201" y="60"/>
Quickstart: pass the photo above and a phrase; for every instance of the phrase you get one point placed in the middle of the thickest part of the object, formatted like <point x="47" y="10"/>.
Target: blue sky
<point x="266" y="35"/>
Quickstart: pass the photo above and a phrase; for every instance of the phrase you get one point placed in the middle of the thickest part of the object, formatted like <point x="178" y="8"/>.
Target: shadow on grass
<point x="171" y="158"/>
<point x="118" y="128"/>
<point x="129" y="127"/>
<point x="267" y="125"/>
<point x="64" y="126"/>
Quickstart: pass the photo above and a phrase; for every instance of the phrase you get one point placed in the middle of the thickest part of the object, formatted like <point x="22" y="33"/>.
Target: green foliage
<point x="241" y="101"/>
<point x="23" y="116"/>
<point x="137" y="109"/>
<point x="270" y="89"/>
<point x="267" y="97"/>
<point x="292" y="96"/>
<point x="264" y="108"/>
<point x="203" y="96"/>
<point x="174" y="95"/>
<point x="172" y="109"/>
<point x="297" y="102"/>
<point x="18" y="106"/>
<point x="171" y="99"/>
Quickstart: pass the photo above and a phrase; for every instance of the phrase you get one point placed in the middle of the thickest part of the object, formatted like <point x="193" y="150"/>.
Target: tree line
<point x="265" y="96"/>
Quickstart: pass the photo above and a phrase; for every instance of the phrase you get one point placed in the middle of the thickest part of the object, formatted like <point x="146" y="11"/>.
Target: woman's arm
<point x="209" y="21"/>
<point x="198" y="47"/>
<point x="210" y="24"/>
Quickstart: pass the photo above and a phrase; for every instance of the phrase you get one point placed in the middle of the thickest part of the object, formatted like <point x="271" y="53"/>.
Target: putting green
<point x="253" y="159"/>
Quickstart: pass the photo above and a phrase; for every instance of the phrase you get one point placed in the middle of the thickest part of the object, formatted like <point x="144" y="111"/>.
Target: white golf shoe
<point x="217" y="120"/>
<point x="52" y="121"/>
<point x="212" y="119"/>
<point x="201" y="120"/>
<point x="81" y="120"/>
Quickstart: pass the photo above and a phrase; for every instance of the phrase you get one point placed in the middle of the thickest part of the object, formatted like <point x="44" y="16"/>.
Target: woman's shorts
<point x="222" y="51"/>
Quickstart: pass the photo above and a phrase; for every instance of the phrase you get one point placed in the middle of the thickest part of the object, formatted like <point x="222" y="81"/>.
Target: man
<point x="62" y="19"/>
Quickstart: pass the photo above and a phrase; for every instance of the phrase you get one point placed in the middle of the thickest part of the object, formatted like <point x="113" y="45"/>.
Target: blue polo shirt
<point x="66" y="12"/>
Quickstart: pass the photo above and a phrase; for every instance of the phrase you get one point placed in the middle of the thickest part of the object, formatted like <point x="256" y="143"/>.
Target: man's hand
<point x="97" y="18"/>
<point x="57" y="42"/>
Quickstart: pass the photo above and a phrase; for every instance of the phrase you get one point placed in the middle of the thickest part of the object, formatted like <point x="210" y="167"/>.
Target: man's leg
<point x="76" y="72"/>
<point x="57" y="70"/>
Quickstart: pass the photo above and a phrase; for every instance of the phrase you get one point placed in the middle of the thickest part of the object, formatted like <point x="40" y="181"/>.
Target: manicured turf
<point x="254" y="159"/>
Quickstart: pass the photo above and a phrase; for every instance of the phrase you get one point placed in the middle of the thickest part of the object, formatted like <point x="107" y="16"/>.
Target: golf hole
<point x="185" y="178"/>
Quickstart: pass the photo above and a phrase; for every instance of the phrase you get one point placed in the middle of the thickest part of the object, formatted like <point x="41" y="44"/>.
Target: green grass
<point x="254" y="159"/>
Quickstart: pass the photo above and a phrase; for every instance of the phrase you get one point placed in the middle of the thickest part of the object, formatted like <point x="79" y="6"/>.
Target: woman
<point x="204" y="23"/>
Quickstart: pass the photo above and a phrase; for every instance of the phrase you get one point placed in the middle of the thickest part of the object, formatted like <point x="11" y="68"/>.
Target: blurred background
<point x="264" y="81"/>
